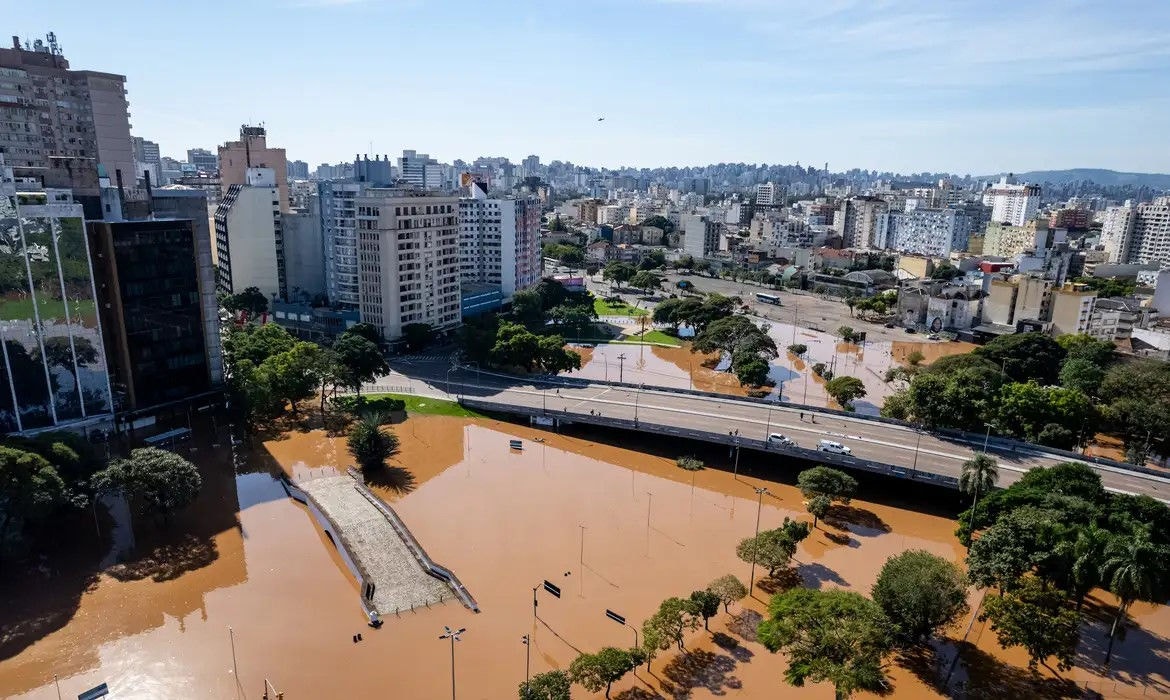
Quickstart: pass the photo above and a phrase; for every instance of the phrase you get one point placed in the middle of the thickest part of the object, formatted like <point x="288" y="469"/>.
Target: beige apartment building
<point x="1072" y="309"/>
<point x="408" y="259"/>
<point x="252" y="151"/>
<point x="1007" y="241"/>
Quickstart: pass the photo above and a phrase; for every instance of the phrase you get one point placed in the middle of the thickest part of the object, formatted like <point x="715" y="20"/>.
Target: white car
<point x="778" y="439"/>
<point x="834" y="447"/>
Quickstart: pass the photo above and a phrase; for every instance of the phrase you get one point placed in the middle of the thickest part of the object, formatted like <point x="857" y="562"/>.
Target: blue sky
<point x="908" y="85"/>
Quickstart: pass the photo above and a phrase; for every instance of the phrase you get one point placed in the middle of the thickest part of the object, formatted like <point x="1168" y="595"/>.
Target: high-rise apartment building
<point x="204" y="160"/>
<point x="147" y="158"/>
<point x="935" y="232"/>
<point x="765" y="194"/>
<point x="862" y="222"/>
<point x="1008" y="241"/>
<point x="408" y="259"/>
<point x="339" y="239"/>
<point x="1150" y="242"/>
<point x="298" y="170"/>
<point x="1072" y="306"/>
<point x="252" y="151"/>
<point x="249" y="237"/>
<point x="61" y="125"/>
<point x="499" y="241"/>
<point x="530" y="166"/>
<point x="420" y="170"/>
<point x="1117" y="231"/>
<point x="1012" y="203"/>
<point x="700" y="235"/>
<point x="53" y="368"/>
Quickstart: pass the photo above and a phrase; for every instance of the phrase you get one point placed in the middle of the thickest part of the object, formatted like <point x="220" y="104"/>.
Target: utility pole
<point x="621" y="368"/>
<point x="760" y="491"/>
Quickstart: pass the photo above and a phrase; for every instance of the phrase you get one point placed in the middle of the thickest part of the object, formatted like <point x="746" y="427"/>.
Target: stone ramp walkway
<point x="400" y="581"/>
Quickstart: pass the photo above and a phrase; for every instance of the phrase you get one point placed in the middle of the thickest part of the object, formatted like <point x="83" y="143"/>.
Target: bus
<point x="767" y="298"/>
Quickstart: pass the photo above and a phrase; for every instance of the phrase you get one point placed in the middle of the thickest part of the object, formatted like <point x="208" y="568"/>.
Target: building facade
<point x="408" y="260"/>
<point x="1012" y="203"/>
<point x="1151" y="234"/>
<point x="420" y="170"/>
<point x="249" y="237"/>
<point x="1117" y="232"/>
<point x="63" y="126"/>
<point x="700" y="235"/>
<point x="1072" y="306"/>
<point x="499" y="241"/>
<point x="339" y="241"/>
<point x="304" y="252"/>
<point x="937" y="232"/>
<point x="204" y="160"/>
<point x="52" y="362"/>
<point x="862" y="222"/>
<point x="252" y="151"/>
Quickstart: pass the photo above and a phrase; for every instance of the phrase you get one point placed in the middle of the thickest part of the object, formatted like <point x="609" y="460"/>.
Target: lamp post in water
<point x="760" y="491"/>
<point x="454" y="636"/>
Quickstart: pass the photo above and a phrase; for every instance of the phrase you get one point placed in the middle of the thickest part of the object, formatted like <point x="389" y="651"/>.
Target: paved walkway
<point x="400" y="582"/>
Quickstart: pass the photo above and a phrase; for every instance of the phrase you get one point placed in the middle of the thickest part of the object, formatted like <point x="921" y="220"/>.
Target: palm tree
<point x="978" y="475"/>
<point x="1088" y="552"/>
<point x="1134" y="567"/>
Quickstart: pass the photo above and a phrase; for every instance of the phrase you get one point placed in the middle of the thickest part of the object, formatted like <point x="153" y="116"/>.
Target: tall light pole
<point x="914" y="469"/>
<point x="768" y="429"/>
<point x="454" y="636"/>
<point x="527" y="660"/>
<point x="736" y="471"/>
<point x="235" y="669"/>
<point x="637" y="393"/>
<point x="621" y="368"/>
<point x="987" y="436"/>
<point x="760" y="491"/>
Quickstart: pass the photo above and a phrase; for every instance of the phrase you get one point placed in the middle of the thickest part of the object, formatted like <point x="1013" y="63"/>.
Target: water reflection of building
<point x="54" y="366"/>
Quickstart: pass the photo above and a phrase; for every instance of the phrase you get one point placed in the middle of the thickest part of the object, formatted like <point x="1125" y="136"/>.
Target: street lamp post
<point x="454" y="636"/>
<point x="736" y="470"/>
<point x="768" y="429"/>
<point x="760" y="491"/>
<point x="987" y="436"/>
<point x="527" y="660"/>
<point x="449" y="379"/>
<point x="621" y="368"/>
<point x="637" y="393"/>
<point x="914" y="469"/>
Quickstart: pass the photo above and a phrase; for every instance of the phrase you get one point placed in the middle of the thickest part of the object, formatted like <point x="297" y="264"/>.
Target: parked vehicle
<point x="834" y="447"/>
<point x="778" y="439"/>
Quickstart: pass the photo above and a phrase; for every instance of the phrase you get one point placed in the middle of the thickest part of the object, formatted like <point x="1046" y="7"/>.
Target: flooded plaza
<point x="612" y="522"/>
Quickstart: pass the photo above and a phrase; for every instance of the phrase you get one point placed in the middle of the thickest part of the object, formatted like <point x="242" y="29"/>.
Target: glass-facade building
<point x="53" y="368"/>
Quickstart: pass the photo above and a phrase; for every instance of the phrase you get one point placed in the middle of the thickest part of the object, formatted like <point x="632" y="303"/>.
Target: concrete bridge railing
<point x="920" y="475"/>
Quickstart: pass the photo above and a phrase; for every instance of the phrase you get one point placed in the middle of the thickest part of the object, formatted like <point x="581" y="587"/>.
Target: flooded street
<point x="793" y="376"/>
<point x="615" y="524"/>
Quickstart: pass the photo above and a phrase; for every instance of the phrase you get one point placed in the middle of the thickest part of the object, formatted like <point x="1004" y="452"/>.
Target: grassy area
<point x="656" y="336"/>
<point x="604" y="308"/>
<point x="427" y="406"/>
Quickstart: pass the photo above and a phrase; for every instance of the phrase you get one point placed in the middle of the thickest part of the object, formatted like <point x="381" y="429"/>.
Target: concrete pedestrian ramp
<point x="394" y="571"/>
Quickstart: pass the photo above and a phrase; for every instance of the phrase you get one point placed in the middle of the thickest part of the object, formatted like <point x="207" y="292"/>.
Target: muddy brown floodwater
<point x="614" y="527"/>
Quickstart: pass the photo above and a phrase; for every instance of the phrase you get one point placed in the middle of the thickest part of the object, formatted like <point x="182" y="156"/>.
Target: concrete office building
<point x="1012" y="203"/>
<point x="408" y="260"/>
<point x="204" y="160"/>
<point x="937" y="232"/>
<point x="61" y="125"/>
<point x="249" y="237"/>
<point x="252" y="151"/>
<point x="766" y="194"/>
<point x="420" y="170"/>
<point x="53" y="370"/>
<point x="1116" y="318"/>
<point x="700" y="235"/>
<point x="339" y="241"/>
<point x="862" y="222"/>
<point x="499" y="241"/>
<point x="1007" y="241"/>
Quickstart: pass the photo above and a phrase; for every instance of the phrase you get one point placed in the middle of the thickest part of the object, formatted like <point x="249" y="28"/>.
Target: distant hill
<point x="1100" y="176"/>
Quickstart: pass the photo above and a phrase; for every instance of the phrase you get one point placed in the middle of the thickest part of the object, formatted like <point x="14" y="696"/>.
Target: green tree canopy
<point x="921" y="593"/>
<point x="418" y="335"/>
<point x="597" y="671"/>
<point x="773" y="549"/>
<point x="845" y="390"/>
<point x="1025" y="356"/>
<point x="550" y="685"/>
<point x="833" y="636"/>
<point x="30" y="489"/>
<point x="1081" y="375"/>
<point x="158" y="481"/>
<point x="670" y="623"/>
<point x="1081" y="346"/>
<point x="706" y="605"/>
<point x="620" y="272"/>
<point x="295" y="374"/>
<point x="1036" y="618"/>
<point x="646" y="280"/>
<point x="826" y="481"/>
<point x="359" y="360"/>
<point x="256" y="343"/>
<point x="729" y="589"/>
<point x="370" y="444"/>
<point x="251" y="300"/>
<point x="818" y="506"/>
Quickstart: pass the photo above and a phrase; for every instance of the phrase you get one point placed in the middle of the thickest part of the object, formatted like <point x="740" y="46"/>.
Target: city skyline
<point x="891" y="86"/>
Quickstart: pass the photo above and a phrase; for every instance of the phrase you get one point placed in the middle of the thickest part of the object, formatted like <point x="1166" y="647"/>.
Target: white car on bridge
<point x="778" y="439"/>
<point x="834" y="447"/>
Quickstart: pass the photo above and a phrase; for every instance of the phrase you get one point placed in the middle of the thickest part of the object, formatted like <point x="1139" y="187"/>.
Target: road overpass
<point x="887" y="447"/>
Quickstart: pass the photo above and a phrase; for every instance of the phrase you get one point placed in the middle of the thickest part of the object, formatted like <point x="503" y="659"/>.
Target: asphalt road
<point x="879" y="442"/>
